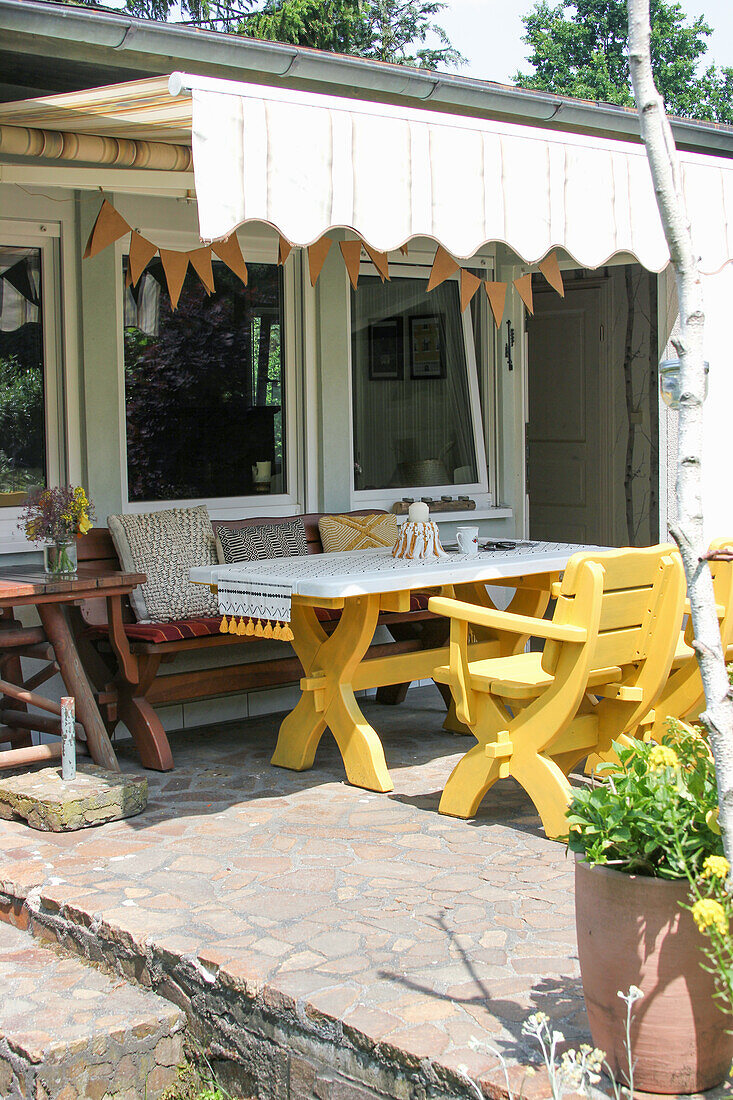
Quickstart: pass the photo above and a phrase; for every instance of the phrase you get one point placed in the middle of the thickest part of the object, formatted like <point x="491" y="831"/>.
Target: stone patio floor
<point x="337" y="916"/>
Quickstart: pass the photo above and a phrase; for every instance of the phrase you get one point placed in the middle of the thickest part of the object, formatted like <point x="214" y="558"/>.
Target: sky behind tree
<point x="489" y="32"/>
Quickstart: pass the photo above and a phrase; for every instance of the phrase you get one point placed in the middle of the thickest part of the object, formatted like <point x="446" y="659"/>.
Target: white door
<point x="565" y="459"/>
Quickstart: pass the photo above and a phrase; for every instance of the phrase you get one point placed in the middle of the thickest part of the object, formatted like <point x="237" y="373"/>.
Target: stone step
<point x="68" y="1031"/>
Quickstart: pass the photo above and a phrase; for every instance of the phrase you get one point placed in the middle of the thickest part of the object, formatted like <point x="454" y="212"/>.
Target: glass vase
<point x="59" y="558"/>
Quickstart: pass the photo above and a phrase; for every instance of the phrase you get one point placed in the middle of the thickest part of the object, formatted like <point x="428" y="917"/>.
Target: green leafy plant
<point x="656" y="813"/>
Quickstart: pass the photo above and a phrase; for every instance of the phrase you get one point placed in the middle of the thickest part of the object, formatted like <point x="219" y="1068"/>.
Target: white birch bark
<point x="688" y="531"/>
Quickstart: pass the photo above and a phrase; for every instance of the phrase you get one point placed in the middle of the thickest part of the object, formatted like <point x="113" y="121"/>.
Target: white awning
<point x="307" y="163"/>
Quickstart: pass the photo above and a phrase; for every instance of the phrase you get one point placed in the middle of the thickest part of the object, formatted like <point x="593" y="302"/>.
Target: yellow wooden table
<point x="361" y="584"/>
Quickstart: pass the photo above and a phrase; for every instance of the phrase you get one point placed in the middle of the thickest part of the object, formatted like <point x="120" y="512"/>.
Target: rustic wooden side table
<point x="54" y="642"/>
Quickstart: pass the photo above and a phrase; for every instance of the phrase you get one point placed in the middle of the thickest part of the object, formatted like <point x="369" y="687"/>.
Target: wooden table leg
<point x="328" y="698"/>
<point x="59" y="634"/>
<point x="10" y="668"/>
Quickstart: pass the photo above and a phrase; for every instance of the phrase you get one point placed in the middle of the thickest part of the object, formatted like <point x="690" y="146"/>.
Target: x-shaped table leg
<point x="328" y="699"/>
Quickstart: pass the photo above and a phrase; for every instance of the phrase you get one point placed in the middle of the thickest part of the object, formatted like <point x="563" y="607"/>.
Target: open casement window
<point x="207" y="392"/>
<point x="416" y="409"/>
<point x="30" y="437"/>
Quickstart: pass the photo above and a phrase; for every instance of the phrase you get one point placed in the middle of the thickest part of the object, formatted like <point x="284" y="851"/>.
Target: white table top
<point x="359" y="572"/>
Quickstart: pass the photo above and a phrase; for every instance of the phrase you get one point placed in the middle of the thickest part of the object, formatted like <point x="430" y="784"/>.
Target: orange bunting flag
<point x="379" y="259"/>
<point x="351" y="251"/>
<point x="496" y="293"/>
<point x="443" y="267"/>
<point x="141" y="253"/>
<point x="175" y="266"/>
<point x="107" y="229"/>
<point x="403" y="249"/>
<point x="231" y="254"/>
<point x="284" y="248"/>
<point x="550" y="268"/>
<point x="469" y="285"/>
<point x="524" y="290"/>
<point x="317" y="257"/>
<point x="200" y="260"/>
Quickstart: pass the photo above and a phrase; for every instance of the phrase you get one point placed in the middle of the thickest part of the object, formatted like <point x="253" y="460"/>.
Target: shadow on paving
<point x="557" y="997"/>
<point x="223" y="765"/>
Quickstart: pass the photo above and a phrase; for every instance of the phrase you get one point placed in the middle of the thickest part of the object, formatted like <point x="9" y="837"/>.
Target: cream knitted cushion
<point x="165" y="545"/>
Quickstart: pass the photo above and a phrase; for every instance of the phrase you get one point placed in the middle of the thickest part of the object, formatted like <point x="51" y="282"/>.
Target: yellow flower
<point x="84" y="524"/>
<point x="709" y="913"/>
<point x="662" y="756"/>
<point x="715" y="867"/>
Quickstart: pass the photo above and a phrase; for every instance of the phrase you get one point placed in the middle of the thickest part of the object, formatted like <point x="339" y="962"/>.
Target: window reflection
<point x="22" y="410"/>
<point x="204" y="386"/>
<point x="413" y="422"/>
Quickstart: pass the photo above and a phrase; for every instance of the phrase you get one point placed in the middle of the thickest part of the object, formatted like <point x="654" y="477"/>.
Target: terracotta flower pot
<point x="632" y="931"/>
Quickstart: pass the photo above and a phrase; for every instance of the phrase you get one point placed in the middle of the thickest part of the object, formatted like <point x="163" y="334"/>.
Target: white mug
<point x="467" y="540"/>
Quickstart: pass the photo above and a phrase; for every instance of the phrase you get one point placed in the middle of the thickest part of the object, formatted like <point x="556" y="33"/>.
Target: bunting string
<point x="110" y="226"/>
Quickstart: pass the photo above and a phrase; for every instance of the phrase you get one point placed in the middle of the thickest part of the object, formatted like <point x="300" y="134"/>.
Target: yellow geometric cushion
<point x="357" y="532"/>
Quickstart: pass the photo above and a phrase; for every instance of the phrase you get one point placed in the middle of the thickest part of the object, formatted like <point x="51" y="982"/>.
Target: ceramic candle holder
<point x="419" y="540"/>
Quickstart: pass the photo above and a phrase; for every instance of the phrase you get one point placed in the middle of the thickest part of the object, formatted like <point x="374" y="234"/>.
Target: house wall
<point x="91" y="383"/>
<point x="717" y="508"/>
<point x="642" y="485"/>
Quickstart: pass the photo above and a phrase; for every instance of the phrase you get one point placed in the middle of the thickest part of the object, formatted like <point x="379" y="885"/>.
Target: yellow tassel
<point x="287" y="634"/>
<point x="232" y="625"/>
<point x="259" y="632"/>
<point x="250" y="629"/>
<point x="223" y="625"/>
<point x="277" y="632"/>
<point x="241" y="628"/>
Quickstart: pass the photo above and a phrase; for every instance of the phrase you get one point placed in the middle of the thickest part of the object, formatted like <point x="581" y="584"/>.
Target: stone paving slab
<point x="70" y="1032"/>
<point x="47" y="802"/>
<point x="319" y="931"/>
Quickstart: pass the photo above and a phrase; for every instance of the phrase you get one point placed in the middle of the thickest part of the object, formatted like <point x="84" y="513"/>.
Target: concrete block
<point x="46" y="802"/>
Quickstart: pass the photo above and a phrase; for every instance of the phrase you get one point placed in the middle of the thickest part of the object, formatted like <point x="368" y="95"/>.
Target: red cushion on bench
<point x="166" y="632"/>
<point x="201" y="628"/>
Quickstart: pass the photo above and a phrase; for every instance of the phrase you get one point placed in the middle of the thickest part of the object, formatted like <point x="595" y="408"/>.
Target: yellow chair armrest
<point x="504" y="620"/>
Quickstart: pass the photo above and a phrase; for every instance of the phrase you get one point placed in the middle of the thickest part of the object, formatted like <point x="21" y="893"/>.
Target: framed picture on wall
<point x="427" y="355"/>
<point x="386" y="350"/>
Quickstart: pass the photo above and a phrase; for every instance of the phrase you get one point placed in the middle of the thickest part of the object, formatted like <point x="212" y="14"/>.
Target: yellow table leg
<point x="328" y="697"/>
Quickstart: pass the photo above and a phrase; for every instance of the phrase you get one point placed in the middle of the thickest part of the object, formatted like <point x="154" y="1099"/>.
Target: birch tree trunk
<point x="688" y="531"/>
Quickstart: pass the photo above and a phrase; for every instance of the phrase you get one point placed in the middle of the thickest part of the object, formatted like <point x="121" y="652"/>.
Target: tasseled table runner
<point x="253" y="609"/>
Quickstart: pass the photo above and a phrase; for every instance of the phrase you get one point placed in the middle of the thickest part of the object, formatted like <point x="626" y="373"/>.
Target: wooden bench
<point x="122" y="658"/>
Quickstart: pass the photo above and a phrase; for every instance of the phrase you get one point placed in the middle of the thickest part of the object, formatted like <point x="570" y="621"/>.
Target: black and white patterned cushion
<point x="165" y="545"/>
<point x="266" y="540"/>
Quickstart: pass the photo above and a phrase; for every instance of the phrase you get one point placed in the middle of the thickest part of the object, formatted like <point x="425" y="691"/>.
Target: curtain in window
<point x="413" y="424"/>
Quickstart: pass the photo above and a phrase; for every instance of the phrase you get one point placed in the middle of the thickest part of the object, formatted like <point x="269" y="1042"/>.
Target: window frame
<point x="479" y="490"/>
<point x="46" y="237"/>
<point x="234" y="507"/>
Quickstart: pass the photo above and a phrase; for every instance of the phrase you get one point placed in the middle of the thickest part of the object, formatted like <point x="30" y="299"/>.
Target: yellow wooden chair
<point x="608" y="651"/>
<point x="682" y="695"/>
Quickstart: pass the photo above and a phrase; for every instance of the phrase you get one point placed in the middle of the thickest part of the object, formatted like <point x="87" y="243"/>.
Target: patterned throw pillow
<point x="266" y="540"/>
<point x="357" y="532"/>
<point x="165" y="545"/>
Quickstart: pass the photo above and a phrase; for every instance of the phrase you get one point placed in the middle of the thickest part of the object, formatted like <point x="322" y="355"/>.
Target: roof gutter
<point x="255" y="59"/>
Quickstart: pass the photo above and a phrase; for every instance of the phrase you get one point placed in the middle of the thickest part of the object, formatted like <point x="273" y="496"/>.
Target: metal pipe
<point x="68" y="739"/>
<point x="25" y="141"/>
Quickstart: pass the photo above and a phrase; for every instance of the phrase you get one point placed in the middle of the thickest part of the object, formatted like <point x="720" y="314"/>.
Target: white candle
<point x="418" y="512"/>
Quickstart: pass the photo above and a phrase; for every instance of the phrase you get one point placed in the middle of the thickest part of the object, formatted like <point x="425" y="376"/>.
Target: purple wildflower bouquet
<point x="57" y="515"/>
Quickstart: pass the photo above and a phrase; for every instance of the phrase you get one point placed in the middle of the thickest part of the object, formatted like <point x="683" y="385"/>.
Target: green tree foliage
<point x="385" y="30"/>
<point x="217" y="15"/>
<point x="580" y="48"/>
<point x="400" y="31"/>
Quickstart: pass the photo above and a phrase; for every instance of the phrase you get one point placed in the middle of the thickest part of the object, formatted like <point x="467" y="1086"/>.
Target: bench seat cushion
<point x="159" y="633"/>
